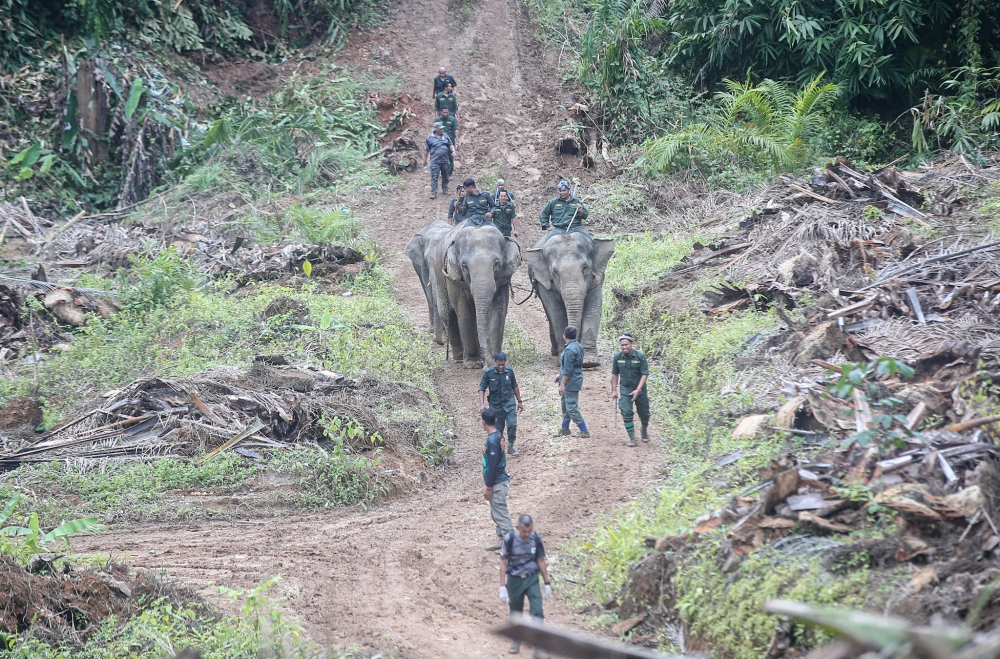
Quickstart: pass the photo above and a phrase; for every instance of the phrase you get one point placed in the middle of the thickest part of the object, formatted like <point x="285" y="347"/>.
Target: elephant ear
<point x="452" y="268"/>
<point x="415" y="251"/>
<point x="538" y="268"/>
<point x="511" y="258"/>
<point x="604" y="249"/>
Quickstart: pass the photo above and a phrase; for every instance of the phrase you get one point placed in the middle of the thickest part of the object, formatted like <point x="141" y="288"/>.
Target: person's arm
<point x="427" y="152"/>
<point x="614" y="378"/>
<point x="503" y="572"/>
<point x="644" y="375"/>
<point x="545" y="217"/>
<point x="517" y="395"/>
<point x="544" y="569"/>
<point x="483" y="384"/>
<point x="638" y="389"/>
<point x="581" y="210"/>
<point x="456" y="133"/>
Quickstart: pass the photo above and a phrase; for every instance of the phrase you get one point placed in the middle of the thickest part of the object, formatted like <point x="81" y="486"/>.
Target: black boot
<point x="511" y="436"/>
<point x="645" y="432"/>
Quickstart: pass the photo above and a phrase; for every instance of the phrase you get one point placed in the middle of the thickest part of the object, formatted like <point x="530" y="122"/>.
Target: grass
<point x="643" y="259"/>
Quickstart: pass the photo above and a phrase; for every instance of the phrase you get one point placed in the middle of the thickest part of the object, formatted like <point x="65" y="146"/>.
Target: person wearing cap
<point x="565" y="212"/>
<point x="498" y="391"/>
<point x="505" y="215"/>
<point x="629" y="372"/>
<point x="453" y="209"/>
<point x="441" y="79"/>
<point x="570" y="382"/>
<point x="476" y="203"/>
<point x="502" y="187"/>
<point x="446" y="99"/>
<point x="450" y="124"/>
<point x="437" y="148"/>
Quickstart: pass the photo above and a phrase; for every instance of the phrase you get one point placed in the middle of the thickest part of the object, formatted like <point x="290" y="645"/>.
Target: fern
<point x="766" y="124"/>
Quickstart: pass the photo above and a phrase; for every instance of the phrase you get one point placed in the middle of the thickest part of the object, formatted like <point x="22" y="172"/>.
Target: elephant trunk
<point x="483" y="291"/>
<point x="574" y="297"/>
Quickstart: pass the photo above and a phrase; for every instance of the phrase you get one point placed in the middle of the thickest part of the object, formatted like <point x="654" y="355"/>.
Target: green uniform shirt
<point x="503" y="218"/>
<point x="571" y="364"/>
<point x="479" y="204"/>
<point x="500" y="386"/>
<point x="443" y="100"/>
<point x="450" y="125"/>
<point x="558" y="213"/>
<point x="629" y="370"/>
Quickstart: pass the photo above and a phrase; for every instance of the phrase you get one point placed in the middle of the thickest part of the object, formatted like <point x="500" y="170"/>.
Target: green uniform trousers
<point x="530" y="587"/>
<point x="641" y="405"/>
<point x="507" y="419"/>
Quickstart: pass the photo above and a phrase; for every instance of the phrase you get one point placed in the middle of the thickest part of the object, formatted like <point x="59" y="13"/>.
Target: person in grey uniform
<point x="437" y="149"/>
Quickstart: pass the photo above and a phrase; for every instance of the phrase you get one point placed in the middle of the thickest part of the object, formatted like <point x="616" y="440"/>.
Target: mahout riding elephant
<point x="567" y="273"/>
<point x="469" y="280"/>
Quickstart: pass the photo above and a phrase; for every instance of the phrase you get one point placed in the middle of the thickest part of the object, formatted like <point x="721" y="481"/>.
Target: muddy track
<point x="413" y="573"/>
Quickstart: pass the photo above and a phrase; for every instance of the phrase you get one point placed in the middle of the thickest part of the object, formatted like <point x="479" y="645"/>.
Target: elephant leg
<point x="438" y="292"/>
<point x="467" y="327"/>
<point x="455" y="336"/>
<point x="498" y="317"/>
<point x="591" y="326"/>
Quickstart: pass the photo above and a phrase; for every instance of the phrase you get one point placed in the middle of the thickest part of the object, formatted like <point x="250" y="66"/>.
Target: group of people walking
<point x="523" y="568"/>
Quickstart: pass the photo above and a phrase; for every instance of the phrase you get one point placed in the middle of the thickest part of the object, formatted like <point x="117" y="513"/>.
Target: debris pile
<point x="273" y="405"/>
<point x="915" y="444"/>
<point x="402" y="154"/>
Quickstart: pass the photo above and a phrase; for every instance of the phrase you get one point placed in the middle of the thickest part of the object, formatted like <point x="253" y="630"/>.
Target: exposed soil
<point x="413" y="573"/>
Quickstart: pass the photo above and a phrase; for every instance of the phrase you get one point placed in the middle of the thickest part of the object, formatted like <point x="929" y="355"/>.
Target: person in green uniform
<point x="453" y="207"/>
<point x="450" y="124"/>
<point x="500" y="384"/>
<point x="504" y="215"/>
<point x="446" y="99"/>
<point x="564" y="213"/>
<point x="477" y="204"/>
<point x="629" y="372"/>
<point x="522" y="561"/>
<point x="570" y="382"/>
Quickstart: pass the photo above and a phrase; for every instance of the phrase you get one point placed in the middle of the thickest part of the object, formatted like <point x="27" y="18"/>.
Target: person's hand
<point x="614" y="394"/>
<point x="635" y="394"/>
<point x="562" y="390"/>
<point x="556" y="381"/>
<point x="488" y="494"/>
<point x="579" y="207"/>
<point x="548" y="591"/>
<point x="426" y="169"/>
<point x="488" y="215"/>
<point x="482" y="407"/>
<point x="520" y="406"/>
<point x="516" y="234"/>
<point x="504" y="597"/>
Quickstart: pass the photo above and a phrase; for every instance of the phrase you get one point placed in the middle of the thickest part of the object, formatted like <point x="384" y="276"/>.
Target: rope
<point x="530" y="293"/>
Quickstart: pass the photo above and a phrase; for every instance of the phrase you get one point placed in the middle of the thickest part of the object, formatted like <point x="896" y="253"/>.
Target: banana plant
<point x="33" y="540"/>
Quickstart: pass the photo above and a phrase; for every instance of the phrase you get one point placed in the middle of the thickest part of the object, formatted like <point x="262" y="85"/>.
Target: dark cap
<point x="467" y="182"/>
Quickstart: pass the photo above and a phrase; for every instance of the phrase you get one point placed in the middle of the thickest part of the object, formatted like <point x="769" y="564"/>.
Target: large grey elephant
<point x="466" y="272"/>
<point x="567" y="273"/>
<point x="420" y="250"/>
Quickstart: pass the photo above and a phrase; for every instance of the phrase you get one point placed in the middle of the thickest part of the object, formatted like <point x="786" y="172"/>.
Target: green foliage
<point x="966" y="121"/>
<point x="156" y="282"/>
<point x="333" y="227"/>
<point x="763" y="126"/>
<point x="640" y="260"/>
<point x="727" y="611"/>
<point x="335" y="478"/>
<point x="861" y="381"/>
<point x="31" y="540"/>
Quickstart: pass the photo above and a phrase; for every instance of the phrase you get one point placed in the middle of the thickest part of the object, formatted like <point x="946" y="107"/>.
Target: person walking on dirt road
<point x="522" y="560"/>
<point x="446" y="99"/>
<point x="502" y="187"/>
<point x="570" y="381"/>
<point x="495" y="474"/>
<point x="441" y="79"/>
<point x="563" y="211"/>
<point x="437" y="148"/>
<point x="450" y="124"/>
<point x="504" y="397"/>
<point x="629" y="372"/>
<point x="453" y="207"/>
<point x="505" y="215"/>
<point x="476" y="202"/>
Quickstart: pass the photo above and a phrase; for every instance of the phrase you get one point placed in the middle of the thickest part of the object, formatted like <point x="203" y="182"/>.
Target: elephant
<point x="420" y="250"/>
<point x="466" y="272"/>
<point x="567" y="273"/>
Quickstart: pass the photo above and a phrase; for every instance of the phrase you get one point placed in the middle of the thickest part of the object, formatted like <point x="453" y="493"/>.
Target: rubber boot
<point x="583" y="432"/>
<point x="645" y="432"/>
<point x="540" y="654"/>
<point x="631" y="438"/>
<point x="564" y="430"/>
<point x="511" y="436"/>
<point x="515" y="647"/>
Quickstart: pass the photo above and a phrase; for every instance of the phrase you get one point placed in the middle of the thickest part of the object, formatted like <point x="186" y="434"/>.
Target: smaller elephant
<point x="421" y="251"/>
<point x="465" y="272"/>
<point x="567" y="273"/>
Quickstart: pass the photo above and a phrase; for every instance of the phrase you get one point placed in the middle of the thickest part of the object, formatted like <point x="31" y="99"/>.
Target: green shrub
<point x="153" y="282"/>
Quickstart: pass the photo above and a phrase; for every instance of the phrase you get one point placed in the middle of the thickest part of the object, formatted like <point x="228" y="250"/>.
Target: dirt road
<point x="413" y="573"/>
